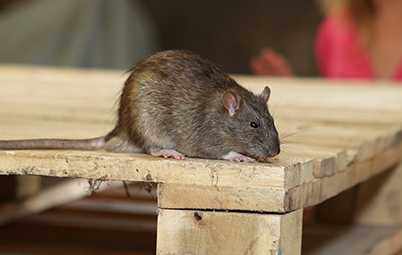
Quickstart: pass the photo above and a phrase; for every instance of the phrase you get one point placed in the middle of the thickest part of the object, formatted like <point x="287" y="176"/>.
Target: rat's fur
<point x="174" y="100"/>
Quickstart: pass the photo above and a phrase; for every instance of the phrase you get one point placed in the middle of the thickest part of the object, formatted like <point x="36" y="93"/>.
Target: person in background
<point x="270" y="63"/>
<point x="91" y="33"/>
<point x="357" y="39"/>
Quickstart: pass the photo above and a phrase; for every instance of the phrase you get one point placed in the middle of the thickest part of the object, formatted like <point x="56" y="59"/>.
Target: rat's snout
<point x="272" y="147"/>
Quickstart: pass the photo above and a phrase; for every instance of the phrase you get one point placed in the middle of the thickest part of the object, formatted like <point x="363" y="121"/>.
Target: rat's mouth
<point x="267" y="155"/>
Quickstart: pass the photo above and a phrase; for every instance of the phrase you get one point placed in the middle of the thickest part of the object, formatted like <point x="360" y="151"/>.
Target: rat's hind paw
<point x="172" y="154"/>
<point x="158" y="152"/>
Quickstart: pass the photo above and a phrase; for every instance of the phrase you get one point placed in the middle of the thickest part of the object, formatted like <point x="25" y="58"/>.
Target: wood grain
<point x="204" y="232"/>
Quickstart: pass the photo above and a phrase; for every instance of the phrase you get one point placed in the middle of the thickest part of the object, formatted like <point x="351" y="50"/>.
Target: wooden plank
<point x="288" y="92"/>
<point x="30" y="129"/>
<point x="322" y="115"/>
<point x="206" y="232"/>
<point x="357" y="150"/>
<point x="340" y="155"/>
<point x="324" y="163"/>
<point x="305" y="195"/>
<point x="220" y="198"/>
<point x="50" y="75"/>
<point x="141" y="167"/>
<point x="366" y="140"/>
<point x="360" y="172"/>
<point x="322" y="189"/>
<point x="337" y="94"/>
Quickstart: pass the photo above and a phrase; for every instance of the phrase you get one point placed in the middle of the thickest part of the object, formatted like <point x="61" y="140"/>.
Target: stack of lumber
<point x="334" y="134"/>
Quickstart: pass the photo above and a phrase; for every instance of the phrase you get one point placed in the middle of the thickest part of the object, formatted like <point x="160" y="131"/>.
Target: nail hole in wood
<point x="197" y="216"/>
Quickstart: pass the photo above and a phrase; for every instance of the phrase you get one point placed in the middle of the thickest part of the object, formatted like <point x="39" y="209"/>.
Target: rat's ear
<point x="266" y="93"/>
<point x="230" y="102"/>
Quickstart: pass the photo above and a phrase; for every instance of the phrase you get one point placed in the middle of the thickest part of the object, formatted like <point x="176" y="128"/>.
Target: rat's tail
<point x="54" y="144"/>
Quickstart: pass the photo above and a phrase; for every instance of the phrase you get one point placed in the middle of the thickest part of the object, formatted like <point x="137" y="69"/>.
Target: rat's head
<point x="251" y="126"/>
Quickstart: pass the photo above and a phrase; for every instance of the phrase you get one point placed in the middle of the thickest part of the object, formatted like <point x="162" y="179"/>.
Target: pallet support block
<point x="220" y="232"/>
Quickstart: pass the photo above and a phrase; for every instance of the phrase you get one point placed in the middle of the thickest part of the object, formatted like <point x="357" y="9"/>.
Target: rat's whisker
<point x="295" y="141"/>
<point x="294" y="151"/>
<point x="294" y="125"/>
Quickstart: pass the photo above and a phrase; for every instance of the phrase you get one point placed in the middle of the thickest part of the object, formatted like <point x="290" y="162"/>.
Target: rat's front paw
<point x="237" y="157"/>
<point x="243" y="159"/>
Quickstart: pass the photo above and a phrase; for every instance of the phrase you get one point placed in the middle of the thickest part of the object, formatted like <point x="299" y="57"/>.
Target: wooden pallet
<point x="341" y="134"/>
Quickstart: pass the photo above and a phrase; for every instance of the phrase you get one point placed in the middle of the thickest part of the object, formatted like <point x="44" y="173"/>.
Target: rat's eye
<point x="254" y="124"/>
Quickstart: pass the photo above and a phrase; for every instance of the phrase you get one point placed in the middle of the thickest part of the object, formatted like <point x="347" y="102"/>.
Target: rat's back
<point x="168" y="97"/>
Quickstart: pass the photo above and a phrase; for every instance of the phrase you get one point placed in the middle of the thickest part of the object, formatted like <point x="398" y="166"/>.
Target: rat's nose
<point x="273" y="147"/>
<point x="274" y="152"/>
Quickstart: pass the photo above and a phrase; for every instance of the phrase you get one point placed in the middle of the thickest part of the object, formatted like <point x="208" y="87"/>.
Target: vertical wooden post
<point x="212" y="232"/>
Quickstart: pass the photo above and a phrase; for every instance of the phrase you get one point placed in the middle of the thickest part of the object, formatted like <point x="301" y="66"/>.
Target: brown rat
<point x="176" y="103"/>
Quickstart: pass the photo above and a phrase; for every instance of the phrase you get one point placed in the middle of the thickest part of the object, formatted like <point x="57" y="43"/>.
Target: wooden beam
<point x="221" y="198"/>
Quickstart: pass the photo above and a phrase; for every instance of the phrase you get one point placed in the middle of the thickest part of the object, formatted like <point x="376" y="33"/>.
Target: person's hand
<point x="270" y="63"/>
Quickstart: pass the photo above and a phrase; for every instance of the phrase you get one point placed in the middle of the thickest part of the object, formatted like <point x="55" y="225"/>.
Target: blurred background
<point x="117" y="34"/>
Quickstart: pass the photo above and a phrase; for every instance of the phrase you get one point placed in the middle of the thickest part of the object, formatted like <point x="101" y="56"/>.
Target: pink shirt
<point x="340" y="53"/>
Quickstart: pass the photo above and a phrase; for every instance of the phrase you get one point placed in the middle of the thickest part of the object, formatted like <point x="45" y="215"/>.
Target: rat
<point x="176" y="104"/>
